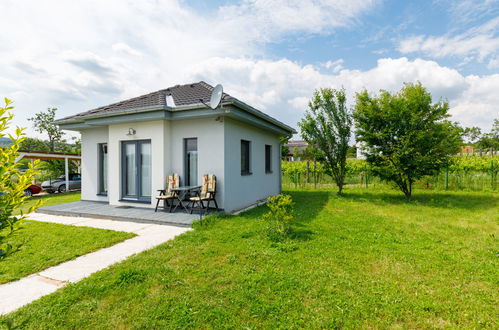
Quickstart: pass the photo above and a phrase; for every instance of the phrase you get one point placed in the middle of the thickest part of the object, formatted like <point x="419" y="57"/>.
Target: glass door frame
<point x="138" y="179"/>
<point x="187" y="175"/>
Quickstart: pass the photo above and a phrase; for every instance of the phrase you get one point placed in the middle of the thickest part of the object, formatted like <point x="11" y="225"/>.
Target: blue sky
<point x="272" y="54"/>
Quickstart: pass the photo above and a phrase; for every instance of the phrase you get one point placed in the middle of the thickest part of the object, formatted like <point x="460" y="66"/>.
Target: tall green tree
<point x="406" y="135"/>
<point x="327" y="127"/>
<point x="43" y="122"/>
<point x="13" y="182"/>
<point x="471" y="134"/>
<point x="490" y="140"/>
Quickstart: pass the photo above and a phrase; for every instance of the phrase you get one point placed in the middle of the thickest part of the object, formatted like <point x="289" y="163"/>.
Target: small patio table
<point x="181" y="192"/>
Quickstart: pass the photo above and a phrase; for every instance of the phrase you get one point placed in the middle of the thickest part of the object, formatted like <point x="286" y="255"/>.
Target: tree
<point x="43" y="122"/>
<point x="472" y="134"/>
<point x="283" y="140"/>
<point x="490" y="140"/>
<point x="13" y="182"/>
<point x="406" y="136"/>
<point x="326" y="126"/>
<point x="34" y="144"/>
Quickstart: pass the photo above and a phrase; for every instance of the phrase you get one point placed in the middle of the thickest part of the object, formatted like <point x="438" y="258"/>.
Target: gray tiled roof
<point x="182" y="95"/>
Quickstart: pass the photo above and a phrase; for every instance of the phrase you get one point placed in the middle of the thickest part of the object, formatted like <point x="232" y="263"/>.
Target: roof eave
<point x="262" y="115"/>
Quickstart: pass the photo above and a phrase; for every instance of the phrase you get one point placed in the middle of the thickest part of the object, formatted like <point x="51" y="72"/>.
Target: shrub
<point x="279" y="217"/>
<point x="13" y="182"/>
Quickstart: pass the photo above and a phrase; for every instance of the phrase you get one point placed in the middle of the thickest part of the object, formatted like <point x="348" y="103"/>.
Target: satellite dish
<point x="216" y="96"/>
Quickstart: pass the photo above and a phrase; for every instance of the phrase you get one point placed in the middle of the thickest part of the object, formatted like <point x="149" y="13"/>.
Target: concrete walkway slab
<point x="16" y="294"/>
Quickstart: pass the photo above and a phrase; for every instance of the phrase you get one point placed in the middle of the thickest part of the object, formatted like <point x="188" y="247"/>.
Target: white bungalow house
<point x="130" y="147"/>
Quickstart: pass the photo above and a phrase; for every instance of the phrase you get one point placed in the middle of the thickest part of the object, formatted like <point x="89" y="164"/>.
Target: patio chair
<point x="208" y="192"/>
<point x="166" y="195"/>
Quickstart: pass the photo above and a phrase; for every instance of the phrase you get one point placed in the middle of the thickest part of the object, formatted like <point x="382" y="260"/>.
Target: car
<point x="59" y="184"/>
<point x="32" y="190"/>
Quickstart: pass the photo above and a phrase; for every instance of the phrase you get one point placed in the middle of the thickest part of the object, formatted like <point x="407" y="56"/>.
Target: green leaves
<point x="279" y="217"/>
<point x="407" y="137"/>
<point x="44" y="123"/>
<point x="13" y="182"/>
<point x="326" y="126"/>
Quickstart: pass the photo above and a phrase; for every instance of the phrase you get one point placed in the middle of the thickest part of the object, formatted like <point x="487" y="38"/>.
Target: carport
<point x="42" y="155"/>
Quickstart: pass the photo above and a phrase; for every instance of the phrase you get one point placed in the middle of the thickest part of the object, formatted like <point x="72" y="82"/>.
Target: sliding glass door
<point x="136" y="176"/>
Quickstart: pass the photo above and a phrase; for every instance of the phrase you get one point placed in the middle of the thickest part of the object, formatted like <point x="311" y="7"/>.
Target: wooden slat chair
<point x="172" y="181"/>
<point x="208" y="192"/>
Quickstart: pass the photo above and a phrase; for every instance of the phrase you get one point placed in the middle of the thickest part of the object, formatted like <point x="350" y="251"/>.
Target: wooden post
<point x="315" y="173"/>
<point x="308" y="172"/>
<point x="446" y="178"/>
<point x="492" y="174"/>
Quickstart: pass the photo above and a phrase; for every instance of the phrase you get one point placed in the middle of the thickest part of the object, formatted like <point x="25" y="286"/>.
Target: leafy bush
<point x="279" y="217"/>
<point x="13" y="182"/>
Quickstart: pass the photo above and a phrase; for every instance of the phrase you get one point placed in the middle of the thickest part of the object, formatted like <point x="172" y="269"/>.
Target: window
<point x="136" y="170"/>
<point x="268" y="158"/>
<point x="245" y="157"/>
<point x="102" y="169"/>
<point x="191" y="161"/>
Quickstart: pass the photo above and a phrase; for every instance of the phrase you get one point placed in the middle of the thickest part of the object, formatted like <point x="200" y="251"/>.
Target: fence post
<point x="308" y="172"/>
<point x="446" y="178"/>
<point x="315" y="174"/>
<point x="492" y="174"/>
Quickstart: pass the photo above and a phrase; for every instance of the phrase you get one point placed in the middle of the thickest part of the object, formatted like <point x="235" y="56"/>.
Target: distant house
<point x="296" y="148"/>
<point x="130" y="147"/>
<point x="467" y="150"/>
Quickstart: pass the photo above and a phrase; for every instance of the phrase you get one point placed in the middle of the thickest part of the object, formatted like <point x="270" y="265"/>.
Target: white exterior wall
<point x="90" y="139"/>
<point x="210" y="135"/>
<point x="244" y="190"/>
<point x="219" y="153"/>
<point x="147" y="130"/>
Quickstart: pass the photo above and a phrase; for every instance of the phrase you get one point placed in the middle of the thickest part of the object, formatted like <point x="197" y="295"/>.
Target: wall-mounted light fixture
<point x="131" y="132"/>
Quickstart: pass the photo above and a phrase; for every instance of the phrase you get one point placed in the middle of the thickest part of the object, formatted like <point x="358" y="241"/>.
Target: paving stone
<point x="16" y="294"/>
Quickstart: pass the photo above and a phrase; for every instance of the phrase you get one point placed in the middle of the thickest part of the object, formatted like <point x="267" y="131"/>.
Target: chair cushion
<point x="167" y="196"/>
<point x="199" y="198"/>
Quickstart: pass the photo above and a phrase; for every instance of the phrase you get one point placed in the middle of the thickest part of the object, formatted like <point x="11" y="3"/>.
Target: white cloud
<point x="472" y="98"/>
<point x="478" y="43"/>
<point x="266" y="20"/>
<point x="334" y="66"/>
<point x="81" y="54"/>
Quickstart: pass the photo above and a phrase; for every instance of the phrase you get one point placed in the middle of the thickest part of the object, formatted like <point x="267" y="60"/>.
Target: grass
<point x="52" y="199"/>
<point x="47" y="244"/>
<point x="366" y="259"/>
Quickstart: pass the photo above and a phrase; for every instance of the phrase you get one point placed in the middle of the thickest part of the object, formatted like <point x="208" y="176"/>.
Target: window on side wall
<point x="245" y="157"/>
<point x="268" y="158"/>
<point x="102" y="169"/>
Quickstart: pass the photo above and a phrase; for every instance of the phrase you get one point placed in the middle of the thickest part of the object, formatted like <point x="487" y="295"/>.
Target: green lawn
<point x="48" y="244"/>
<point x="52" y="199"/>
<point x="368" y="259"/>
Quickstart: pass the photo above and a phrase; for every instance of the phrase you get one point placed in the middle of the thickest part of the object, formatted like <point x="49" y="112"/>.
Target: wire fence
<point x="472" y="173"/>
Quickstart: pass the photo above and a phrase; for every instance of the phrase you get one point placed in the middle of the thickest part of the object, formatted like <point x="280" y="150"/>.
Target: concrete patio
<point x="102" y="210"/>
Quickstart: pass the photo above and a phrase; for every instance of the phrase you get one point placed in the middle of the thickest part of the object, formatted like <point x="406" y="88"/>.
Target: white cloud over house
<point x="82" y="54"/>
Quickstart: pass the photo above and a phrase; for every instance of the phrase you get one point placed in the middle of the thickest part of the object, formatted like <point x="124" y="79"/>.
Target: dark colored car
<point x="32" y="190"/>
<point x="59" y="184"/>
